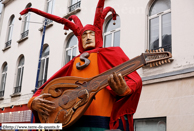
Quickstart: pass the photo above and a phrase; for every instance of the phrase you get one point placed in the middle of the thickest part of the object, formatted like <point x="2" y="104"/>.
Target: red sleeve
<point x="111" y="57"/>
<point x="133" y="81"/>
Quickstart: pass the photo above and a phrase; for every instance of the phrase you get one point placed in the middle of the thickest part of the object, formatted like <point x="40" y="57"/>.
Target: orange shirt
<point x="103" y="102"/>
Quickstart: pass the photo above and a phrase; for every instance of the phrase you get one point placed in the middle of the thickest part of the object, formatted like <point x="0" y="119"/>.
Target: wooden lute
<point x="73" y="95"/>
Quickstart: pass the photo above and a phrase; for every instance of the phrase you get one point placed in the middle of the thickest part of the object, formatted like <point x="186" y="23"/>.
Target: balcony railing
<point x="8" y="43"/>
<point x="41" y="82"/>
<point x="74" y="6"/>
<point x="17" y="89"/>
<point x="1" y="93"/>
<point x="24" y="34"/>
<point x="166" y="48"/>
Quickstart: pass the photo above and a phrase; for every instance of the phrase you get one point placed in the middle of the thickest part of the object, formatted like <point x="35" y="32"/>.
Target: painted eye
<point x="84" y="35"/>
<point x="92" y="33"/>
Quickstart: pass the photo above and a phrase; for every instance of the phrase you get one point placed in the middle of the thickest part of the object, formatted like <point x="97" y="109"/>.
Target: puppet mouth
<point x="88" y="42"/>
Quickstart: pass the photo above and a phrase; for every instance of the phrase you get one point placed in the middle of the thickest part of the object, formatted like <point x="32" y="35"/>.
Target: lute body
<point x="73" y="95"/>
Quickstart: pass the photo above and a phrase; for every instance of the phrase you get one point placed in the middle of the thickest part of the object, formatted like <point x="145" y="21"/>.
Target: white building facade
<point x="167" y="99"/>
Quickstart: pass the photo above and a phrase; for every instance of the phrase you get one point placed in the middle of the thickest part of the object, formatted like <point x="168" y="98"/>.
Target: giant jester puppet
<point x="109" y="107"/>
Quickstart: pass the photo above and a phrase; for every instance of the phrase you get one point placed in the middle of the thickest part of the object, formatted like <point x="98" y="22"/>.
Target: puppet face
<point x="88" y="39"/>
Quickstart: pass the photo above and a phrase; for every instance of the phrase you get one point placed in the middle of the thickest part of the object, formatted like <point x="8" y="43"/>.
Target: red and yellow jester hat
<point x="77" y="26"/>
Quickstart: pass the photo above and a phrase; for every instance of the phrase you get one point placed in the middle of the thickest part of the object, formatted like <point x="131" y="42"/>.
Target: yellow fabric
<point x="103" y="102"/>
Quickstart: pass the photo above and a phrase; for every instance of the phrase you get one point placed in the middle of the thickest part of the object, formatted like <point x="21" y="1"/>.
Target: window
<point x="112" y="33"/>
<point x="10" y="31"/>
<point x="20" y="71"/>
<point x="25" y="29"/>
<point x="44" y="66"/>
<point x="74" y="4"/>
<point x="1" y="8"/>
<point x="49" y="9"/>
<point x="3" y="80"/>
<point x="150" y="124"/>
<point x="71" y="49"/>
<point x="160" y="25"/>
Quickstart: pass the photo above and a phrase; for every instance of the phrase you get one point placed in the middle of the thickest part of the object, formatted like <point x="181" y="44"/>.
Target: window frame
<point x="25" y="29"/>
<point x="26" y="22"/>
<point x="48" y="21"/>
<point x="1" y="10"/>
<point x="70" y="49"/>
<point x="112" y="35"/>
<point x="2" y="86"/>
<point x="159" y="16"/>
<point x="112" y="32"/>
<point x="45" y="59"/>
<point x="45" y="70"/>
<point x="19" y="76"/>
<point x="47" y="6"/>
<point x="10" y="31"/>
<point x="151" y="119"/>
<point x="25" y="26"/>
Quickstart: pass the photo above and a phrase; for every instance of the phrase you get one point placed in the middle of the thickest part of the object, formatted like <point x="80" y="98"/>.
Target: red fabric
<point x="55" y="18"/>
<point x="77" y="26"/>
<point x="76" y="21"/>
<point x="124" y="122"/>
<point x="106" y="10"/>
<point x="108" y="58"/>
<point x="99" y="10"/>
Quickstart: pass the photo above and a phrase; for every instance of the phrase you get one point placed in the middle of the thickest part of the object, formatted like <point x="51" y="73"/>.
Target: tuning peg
<point x="162" y="62"/>
<point x="168" y="60"/>
<point x="165" y="61"/>
<point x="156" y="63"/>
<point x="162" y="49"/>
<point x="157" y="56"/>
<point x="159" y="63"/>
<point x="151" y="57"/>
<point x="147" y="51"/>
<point x="151" y="65"/>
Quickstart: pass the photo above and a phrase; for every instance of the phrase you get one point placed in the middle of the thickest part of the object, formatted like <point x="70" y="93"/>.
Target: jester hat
<point x="76" y="26"/>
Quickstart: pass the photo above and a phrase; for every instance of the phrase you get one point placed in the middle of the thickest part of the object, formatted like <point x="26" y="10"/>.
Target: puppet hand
<point x="117" y="83"/>
<point x="41" y="105"/>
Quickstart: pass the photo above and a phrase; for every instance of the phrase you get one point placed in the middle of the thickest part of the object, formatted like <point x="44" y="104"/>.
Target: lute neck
<point x="124" y="68"/>
<point x="127" y="67"/>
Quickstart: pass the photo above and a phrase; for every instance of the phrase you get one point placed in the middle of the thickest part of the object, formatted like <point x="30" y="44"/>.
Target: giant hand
<point x="41" y="105"/>
<point x="118" y="84"/>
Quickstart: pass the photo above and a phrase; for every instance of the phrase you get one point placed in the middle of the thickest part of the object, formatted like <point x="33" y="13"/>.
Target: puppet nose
<point x="88" y="36"/>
